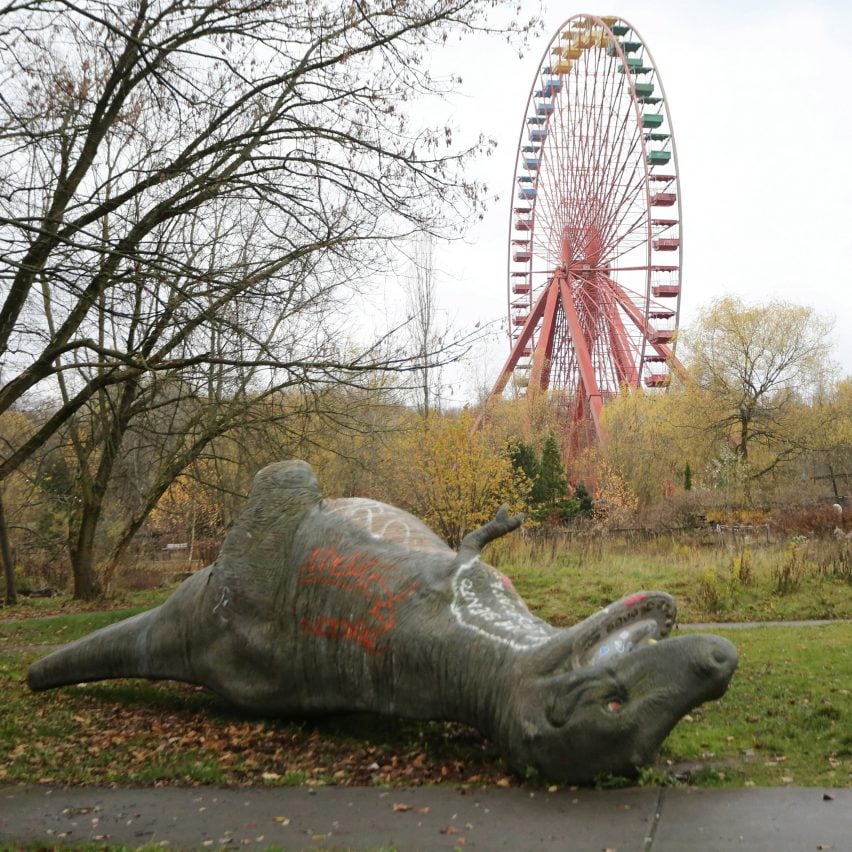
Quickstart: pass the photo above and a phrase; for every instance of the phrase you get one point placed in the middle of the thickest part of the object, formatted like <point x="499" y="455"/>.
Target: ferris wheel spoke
<point x="584" y="360"/>
<point x="628" y="232"/>
<point x="608" y="189"/>
<point x="623" y="230"/>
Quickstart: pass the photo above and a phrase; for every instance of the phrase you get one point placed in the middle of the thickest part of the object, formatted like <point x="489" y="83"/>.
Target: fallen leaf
<point x="449" y="829"/>
<point x="282" y="820"/>
<point x="424" y="810"/>
<point x="400" y="808"/>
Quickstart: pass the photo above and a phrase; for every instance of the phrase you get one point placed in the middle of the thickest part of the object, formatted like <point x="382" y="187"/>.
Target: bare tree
<point x="423" y="322"/>
<point x="186" y="185"/>
<point x="126" y="128"/>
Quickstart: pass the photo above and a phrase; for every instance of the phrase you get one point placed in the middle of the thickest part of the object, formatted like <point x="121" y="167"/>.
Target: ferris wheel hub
<point x="581" y="246"/>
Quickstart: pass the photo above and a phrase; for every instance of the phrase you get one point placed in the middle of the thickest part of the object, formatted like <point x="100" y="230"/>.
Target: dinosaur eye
<point x="613" y="705"/>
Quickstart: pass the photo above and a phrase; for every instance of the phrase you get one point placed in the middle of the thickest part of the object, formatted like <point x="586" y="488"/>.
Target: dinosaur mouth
<point x="636" y="620"/>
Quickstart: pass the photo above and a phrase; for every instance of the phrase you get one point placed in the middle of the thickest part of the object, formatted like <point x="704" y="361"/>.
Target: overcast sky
<point x="759" y="95"/>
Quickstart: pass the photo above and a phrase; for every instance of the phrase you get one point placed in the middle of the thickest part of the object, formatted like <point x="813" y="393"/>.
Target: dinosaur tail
<point x="124" y="649"/>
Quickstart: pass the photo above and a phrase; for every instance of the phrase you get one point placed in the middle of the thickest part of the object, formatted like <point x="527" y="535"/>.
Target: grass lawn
<point x="564" y="582"/>
<point x="787" y="719"/>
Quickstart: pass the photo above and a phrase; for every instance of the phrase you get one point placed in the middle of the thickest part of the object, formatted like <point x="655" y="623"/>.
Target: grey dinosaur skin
<point x="324" y="606"/>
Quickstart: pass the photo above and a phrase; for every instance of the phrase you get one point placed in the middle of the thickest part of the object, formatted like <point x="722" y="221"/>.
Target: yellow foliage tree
<point x="614" y="501"/>
<point x="525" y="418"/>
<point x="833" y="436"/>
<point x="452" y="477"/>
<point x="189" y="508"/>
<point x="754" y="366"/>
<point x="651" y="437"/>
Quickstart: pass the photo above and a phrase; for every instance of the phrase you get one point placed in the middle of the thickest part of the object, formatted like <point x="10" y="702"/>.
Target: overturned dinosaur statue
<point x="324" y="606"/>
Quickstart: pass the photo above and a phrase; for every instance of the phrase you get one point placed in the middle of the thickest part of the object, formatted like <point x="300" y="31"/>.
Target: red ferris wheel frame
<point x="595" y="245"/>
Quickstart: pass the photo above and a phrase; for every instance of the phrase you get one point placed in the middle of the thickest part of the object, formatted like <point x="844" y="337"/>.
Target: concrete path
<point x="749" y="625"/>
<point x="433" y="818"/>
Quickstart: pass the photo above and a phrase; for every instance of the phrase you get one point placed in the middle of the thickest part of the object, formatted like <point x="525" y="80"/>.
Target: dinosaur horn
<point x="125" y="649"/>
<point x="614" y="630"/>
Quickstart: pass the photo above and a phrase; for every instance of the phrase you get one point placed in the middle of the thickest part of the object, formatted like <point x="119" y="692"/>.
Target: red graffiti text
<point x="359" y="575"/>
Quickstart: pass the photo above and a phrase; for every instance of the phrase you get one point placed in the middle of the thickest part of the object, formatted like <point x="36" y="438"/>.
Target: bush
<point x="713" y="591"/>
<point x="787" y="577"/>
<point x="741" y="570"/>
<point x="563" y="511"/>
<point x="836" y="563"/>
<point x="138" y="578"/>
<point x="682" y="510"/>
<point x="23" y="585"/>
<point x="807" y="520"/>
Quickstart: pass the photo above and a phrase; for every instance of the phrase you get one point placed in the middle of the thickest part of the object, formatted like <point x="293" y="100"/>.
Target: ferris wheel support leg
<point x="514" y="356"/>
<point x="660" y="348"/>
<point x="620" y="345"/>
<point x="671" y="360"/>
<point x="540" y="376"/>
<point x="593" y="396"/>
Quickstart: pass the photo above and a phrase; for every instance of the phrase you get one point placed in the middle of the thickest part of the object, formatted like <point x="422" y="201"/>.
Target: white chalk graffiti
<point x="387" y="523"/>
<point x="484" y="602"/>
<point x="222" y="604"/>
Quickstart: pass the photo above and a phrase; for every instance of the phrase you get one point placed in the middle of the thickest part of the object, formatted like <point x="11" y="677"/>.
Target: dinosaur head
<point x="607" y="699"/>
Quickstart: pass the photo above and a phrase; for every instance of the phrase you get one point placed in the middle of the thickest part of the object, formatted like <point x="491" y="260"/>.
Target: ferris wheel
<point x="595" y="234"/>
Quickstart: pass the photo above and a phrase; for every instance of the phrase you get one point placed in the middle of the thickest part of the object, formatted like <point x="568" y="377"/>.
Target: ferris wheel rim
<point x="608" y="41"/>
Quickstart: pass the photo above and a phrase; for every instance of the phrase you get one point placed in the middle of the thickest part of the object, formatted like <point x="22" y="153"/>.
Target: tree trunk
<point x="86" y="584"/>
<point x="6" y="556"/>
<point x="83" y="522"/>
<point x="833" y="479"/>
